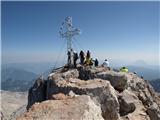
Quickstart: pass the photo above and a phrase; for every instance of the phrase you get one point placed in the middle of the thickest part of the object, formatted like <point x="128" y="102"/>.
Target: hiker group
<point x="85" y="59"/>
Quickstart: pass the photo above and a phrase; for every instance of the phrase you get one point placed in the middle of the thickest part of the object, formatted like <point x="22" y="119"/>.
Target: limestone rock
<point x="154" y="112"/>
<point x="78" y="108"/>
<point x="70" y="74"/>
<point x="117" y="79"/>
<point x="100" y="90"/>
<point x="87" y="73"/>
<point x="146" y="95"/>
<point x="120" y="96"/>
<point x="37" y="93"/>
<point x="127" y="103"/>
<point x="59" y="96"/>
<point x="131" y="108"/>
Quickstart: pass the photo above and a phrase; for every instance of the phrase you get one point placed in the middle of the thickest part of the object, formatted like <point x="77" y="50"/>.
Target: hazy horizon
<point x="122" y="32"/>
<point x="139" y="63"/>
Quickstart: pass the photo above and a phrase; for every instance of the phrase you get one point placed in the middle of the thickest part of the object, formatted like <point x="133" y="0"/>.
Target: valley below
<point x="12" y="104"/>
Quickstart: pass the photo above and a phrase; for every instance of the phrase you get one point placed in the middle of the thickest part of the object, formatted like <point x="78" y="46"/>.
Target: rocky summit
<point x="92" y="93"/>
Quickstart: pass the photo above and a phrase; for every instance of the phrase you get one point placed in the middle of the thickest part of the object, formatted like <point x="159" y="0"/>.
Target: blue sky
<point x="122" y="32"/>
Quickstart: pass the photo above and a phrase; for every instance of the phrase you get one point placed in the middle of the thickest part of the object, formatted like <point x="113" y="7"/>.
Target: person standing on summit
<point x="88" y="54"/>
<point x="88" y="58"/>
<point x="75" y="58"/>
<point x="96" y="62"/>
<point x="82" y="57"/>
<point x="69" y="57"/>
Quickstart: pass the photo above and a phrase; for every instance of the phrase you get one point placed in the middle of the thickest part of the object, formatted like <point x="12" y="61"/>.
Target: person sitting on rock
<point x="124" y="69"/>
<point x="91" y="62"/>
<point x="88" y="54"/>
<point x="105" y="63"/>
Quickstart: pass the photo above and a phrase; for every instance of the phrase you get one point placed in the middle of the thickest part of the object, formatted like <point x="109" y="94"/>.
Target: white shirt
<point x="51" y="74"/>
<point x="105" y="64"/>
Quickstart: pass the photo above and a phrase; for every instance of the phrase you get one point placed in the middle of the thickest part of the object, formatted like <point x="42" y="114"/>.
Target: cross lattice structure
<point x="68" y="31"/>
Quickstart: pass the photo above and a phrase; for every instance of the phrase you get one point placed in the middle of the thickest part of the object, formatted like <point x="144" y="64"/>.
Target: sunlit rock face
<point x="99" y="93"/>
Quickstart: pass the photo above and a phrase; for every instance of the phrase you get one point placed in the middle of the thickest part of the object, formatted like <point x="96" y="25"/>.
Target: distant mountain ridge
<point x="156" y="84"/>
<point x="36" y="68"/>
<point x="16" y="73"/>
<point x="19" y="77"/>
<point x="148" y="73"/>
<point x="14" y="79"/>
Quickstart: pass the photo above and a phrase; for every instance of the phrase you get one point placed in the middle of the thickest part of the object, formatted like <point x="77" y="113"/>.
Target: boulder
<point x="59" y="96"/>
<point x="119" y="96"/>
<point x="127" y="102"/>
<point x="78" y="108"/>
<point x="149" y="100"/>
<point x="100" y="91"/>
<point x="117" y="79"/>
<point x="70" y="74"/>
<point x="37" y="93"/>
<point x="87" y="72"/>
<point x="131" y="108"/>
<point x="73" y="73"/>
<point x="154" y="111"/>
